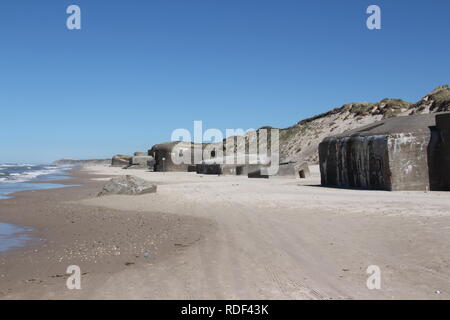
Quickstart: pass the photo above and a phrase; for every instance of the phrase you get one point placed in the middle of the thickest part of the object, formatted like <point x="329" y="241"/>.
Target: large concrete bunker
<point x="176" y="156"/>
<point x="403" y="153"/>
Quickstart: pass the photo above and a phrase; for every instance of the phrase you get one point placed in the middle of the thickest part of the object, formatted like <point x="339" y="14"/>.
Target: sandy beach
<point x="226" y="237"/>
<point x="100" y="240"/>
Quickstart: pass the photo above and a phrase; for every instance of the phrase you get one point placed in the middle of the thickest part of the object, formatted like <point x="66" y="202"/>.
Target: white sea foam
<point x="23" y="176"/>
<point x="9" y="165"/>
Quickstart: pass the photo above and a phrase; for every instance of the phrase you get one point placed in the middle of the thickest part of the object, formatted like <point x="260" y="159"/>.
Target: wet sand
<point x="101" y="241"/>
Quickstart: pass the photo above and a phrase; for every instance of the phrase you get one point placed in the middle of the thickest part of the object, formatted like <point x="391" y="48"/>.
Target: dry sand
<point x="238" y="238"/>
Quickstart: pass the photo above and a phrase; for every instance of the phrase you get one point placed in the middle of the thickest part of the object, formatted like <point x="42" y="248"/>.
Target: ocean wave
<point x="9" y="165"/>
<point x="20" y="173"/>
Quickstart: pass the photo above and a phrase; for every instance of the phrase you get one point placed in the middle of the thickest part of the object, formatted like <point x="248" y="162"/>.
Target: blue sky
<point x="140" y="69"/>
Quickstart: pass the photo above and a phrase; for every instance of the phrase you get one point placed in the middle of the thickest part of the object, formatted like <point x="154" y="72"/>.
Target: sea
<point x="15" y="177"/>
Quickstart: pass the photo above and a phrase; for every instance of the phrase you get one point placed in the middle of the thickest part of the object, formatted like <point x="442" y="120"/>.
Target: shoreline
<point x="52" y="180"/>
<point x="31" y="232"/>
<point x="101" y="241"/>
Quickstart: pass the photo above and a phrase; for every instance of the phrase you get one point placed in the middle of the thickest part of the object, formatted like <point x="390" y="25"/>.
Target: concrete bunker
<point x="403" y="153"/>
<point x="176" y="156"/>
<point x="236" y="165"/>
<point x="290" y="170"/>
<point x="298" y="170"/>
<point x="141" y="160"/>
<point x="120" y="160"/>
